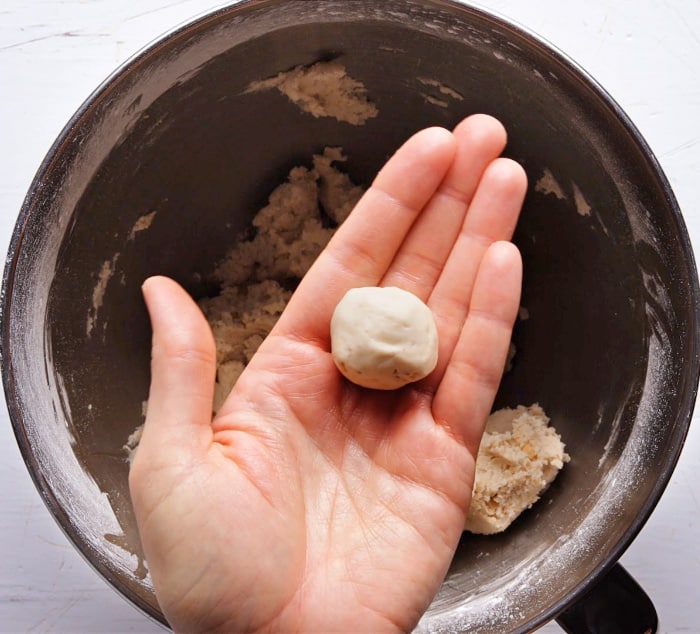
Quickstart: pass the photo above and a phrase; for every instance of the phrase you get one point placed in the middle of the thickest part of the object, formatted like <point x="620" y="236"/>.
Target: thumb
<point x="183" y="370"/>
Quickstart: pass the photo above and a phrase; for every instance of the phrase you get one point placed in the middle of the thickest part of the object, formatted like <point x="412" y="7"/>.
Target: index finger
<point x="362" y="249"/>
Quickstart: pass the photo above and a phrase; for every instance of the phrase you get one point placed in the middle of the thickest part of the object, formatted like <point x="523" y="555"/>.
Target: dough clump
<point x="258" y="274"/>
<point x="383" y="338"/>
<point x="323" y="89"/>
<point x="520" y="455"/>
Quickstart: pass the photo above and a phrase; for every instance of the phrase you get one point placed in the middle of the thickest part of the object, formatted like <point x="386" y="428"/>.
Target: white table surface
<point x="53" y="53"/>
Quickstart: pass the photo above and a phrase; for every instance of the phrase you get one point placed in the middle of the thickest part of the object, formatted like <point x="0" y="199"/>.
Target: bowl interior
<point x="608" y="349"/>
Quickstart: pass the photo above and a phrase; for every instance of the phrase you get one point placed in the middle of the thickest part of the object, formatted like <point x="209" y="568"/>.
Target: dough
<point x="520" y="455"/>
<point x="323" y="90"/>
<point x="383" y="338"/>
<point x="257" y="275"/>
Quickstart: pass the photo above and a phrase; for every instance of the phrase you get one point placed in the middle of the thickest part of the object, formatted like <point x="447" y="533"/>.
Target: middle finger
<point x="420" y="259"/>
<point x="492" y="217"/>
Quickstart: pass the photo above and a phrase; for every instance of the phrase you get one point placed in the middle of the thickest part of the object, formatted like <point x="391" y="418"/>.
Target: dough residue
<point x="258" y="274"/>
<point x="107" y="271"/>
<point x="520" y="455"/>
<point x="132" y="443"/>
<point x="582" y="206"/>
<point x="142" y="223"/>
<point x="547" y="184"/>
<point x="98" y="292"/>
<point x="323" y="89"/>
<point x="443" y="91"/>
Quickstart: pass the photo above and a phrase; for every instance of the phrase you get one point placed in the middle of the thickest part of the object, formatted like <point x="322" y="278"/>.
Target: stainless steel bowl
<point x="610" y="349"/>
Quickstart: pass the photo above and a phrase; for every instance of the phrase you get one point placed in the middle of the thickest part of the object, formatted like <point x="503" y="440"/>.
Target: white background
<point x="53" y="53"/>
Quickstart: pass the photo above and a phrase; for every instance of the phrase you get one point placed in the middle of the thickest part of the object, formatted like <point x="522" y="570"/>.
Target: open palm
<point x="308" y="503"/>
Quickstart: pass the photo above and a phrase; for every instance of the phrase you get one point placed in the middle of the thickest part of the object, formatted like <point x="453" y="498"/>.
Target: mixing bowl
<point x="168" y="160"/>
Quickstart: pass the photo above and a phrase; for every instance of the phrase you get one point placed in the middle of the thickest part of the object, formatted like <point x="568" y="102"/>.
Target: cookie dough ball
<point x="383" y="338"/>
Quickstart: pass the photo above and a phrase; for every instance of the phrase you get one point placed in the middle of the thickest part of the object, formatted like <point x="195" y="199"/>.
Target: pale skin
<point x="309" y="504"/>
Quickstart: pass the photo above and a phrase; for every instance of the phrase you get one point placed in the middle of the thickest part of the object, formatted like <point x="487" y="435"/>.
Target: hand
<point x="308" y="503"/>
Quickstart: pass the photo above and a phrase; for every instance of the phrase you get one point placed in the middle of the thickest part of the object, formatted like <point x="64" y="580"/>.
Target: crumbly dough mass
<point x="520" y="455"/>
<point x="257" y="275"/>
<point x="323" y="89"/>
<point x="383" y="337"/>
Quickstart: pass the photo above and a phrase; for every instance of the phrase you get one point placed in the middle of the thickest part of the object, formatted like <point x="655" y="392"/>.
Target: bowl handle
<point x="614" y="605"/>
